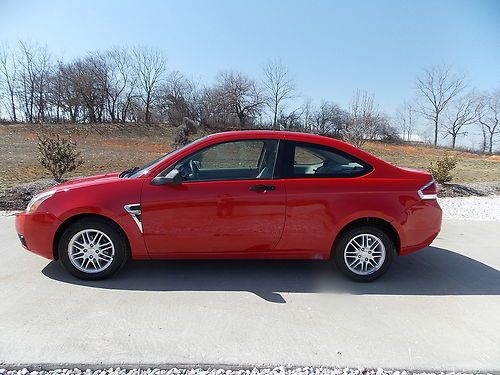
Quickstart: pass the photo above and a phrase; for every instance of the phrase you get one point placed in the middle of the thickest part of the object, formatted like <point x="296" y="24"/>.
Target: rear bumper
<point x="36" y="232"/>
<point x="420" y="225"/>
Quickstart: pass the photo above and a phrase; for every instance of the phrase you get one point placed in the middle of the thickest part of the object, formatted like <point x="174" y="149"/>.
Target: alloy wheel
<point x="91" y="251"/>
<point x="364" y="254"/>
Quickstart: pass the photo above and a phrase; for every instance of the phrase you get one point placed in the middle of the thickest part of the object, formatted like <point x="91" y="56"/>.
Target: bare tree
<point x="43" y="73"/>
<point x="55" y="96"/>
<point x="27" y="80"/>
<point x="66" y="92"/>
<point x="241" y="96"/>
<point x="462" y="114"/>
<point x="438" y="86"/>
<point x="291" y="120"/>
<point x="307" y="115"/>
<point x="329" y="119"/>
<point x="150" y="68"/>
<point x="179" y="99"/>
<point x="8" y="69"/>
<point x="120" y="83"/>
<point x="86" y="80"/>
<point x="488" y="114"/>
<point x="406" y="119"/>
<point x="34" y="70"/>
<point x="279" y="85"/>
<point x="364" y="120"/>
<point x="212" y="109"/>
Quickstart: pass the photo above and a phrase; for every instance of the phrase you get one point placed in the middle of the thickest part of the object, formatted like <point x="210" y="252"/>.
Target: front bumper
<point x="37" y="231"/>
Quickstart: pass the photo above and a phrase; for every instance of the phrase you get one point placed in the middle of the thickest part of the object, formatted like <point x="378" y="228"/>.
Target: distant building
<point x="414" y="138"/>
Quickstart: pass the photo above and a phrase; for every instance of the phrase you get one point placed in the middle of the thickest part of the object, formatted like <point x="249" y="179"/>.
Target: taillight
<point x="428" y="191"/>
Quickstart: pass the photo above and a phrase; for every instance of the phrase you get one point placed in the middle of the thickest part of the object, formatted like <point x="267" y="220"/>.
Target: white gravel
<point x="471" y="208"/>
<point x="282" y="370"/>
<point x="8" y="213"/>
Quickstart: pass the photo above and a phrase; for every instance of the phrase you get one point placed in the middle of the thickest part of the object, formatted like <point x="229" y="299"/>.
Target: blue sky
<point x="331" y="47"/>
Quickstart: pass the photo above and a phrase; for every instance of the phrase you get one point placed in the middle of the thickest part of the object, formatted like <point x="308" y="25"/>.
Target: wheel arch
<point x="73" y="219"/>
<point x="382" y="224"/>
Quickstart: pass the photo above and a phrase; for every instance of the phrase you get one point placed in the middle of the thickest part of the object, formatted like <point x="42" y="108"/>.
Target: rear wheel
<point x="92" y="249"/>
<point x="364" y="253"/>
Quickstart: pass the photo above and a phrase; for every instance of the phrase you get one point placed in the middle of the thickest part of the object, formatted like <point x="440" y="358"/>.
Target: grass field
<point x="117" y="147"/>
<point x="471" y="167"/>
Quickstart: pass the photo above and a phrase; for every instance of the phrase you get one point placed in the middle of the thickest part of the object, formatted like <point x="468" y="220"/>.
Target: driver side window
<point x="237" y="160"/>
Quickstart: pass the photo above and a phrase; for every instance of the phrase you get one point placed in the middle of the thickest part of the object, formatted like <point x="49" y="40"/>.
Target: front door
<point x="228" y="202"/>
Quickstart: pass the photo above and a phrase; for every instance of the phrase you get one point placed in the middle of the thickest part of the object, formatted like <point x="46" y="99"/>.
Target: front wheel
<point x="364" y="253"/>
<point x="92" y="249"/>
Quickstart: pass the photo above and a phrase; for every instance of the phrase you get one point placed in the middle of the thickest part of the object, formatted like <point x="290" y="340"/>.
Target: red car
<point x="241" y="194"/>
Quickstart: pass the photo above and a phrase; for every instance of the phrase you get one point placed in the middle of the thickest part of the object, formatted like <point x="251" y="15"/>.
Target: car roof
<point x="278" y="134"/>
<point x="288" y="135"/>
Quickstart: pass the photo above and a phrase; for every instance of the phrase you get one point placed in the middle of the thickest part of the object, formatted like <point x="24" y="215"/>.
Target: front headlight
<point x="37" y="201"/>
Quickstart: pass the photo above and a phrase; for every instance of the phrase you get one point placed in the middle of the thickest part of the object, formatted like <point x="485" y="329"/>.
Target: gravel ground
<point x="471" y="208"/>
<point x="17" y="198"/>
<point x="479" y="189"/>
<point x="211" y="371"/>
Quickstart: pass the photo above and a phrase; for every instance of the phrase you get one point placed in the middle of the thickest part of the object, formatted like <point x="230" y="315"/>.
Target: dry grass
<point x="117" y="147"/>
<point x="471" y="167"/>
<point x="104" y="148"/>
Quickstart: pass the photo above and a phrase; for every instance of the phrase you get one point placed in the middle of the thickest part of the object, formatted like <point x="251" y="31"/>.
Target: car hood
<point x="87" y="181"/>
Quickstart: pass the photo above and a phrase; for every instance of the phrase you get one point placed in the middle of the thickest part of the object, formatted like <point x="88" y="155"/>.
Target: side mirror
<point x="172" y="178"/>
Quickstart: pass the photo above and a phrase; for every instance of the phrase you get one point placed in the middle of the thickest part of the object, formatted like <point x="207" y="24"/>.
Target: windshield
<point x="144" y="169"/>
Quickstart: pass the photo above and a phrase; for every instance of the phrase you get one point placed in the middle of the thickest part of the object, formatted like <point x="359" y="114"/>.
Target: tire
<point x="364" y="261"/>
<point x="92" y="249"/>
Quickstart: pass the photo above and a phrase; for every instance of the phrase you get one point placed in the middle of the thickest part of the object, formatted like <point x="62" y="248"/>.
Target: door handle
<point x="262" y="187"/>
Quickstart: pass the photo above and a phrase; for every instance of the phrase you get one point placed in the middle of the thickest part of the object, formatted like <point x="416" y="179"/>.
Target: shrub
<point x="181" y="136"/>
<point x="183" y="131"/>
<point x="441" y="171"/>
<point x="58" y="155"/>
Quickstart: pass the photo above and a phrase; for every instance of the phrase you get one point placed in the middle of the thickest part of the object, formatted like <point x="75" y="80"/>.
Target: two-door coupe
<point x="241" y="194"/>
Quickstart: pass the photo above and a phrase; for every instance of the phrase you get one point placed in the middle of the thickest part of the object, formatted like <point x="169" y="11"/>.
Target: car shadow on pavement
<point x="430" y="272"/>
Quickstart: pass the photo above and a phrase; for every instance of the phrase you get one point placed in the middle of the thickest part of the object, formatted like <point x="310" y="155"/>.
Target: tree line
<point x="453" y="107"/>
<point x="134" y="85"/>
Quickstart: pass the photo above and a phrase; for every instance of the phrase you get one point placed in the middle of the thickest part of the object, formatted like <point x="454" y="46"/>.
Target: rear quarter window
<point x="309" y="160"/>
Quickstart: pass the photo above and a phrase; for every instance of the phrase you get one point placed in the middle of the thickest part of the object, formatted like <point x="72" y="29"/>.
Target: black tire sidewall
<point x="121" y="248"/>
<point x="344" y="239"/>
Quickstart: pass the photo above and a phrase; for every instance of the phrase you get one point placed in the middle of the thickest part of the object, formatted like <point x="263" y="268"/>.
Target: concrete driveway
<point x="435" y="309"/>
